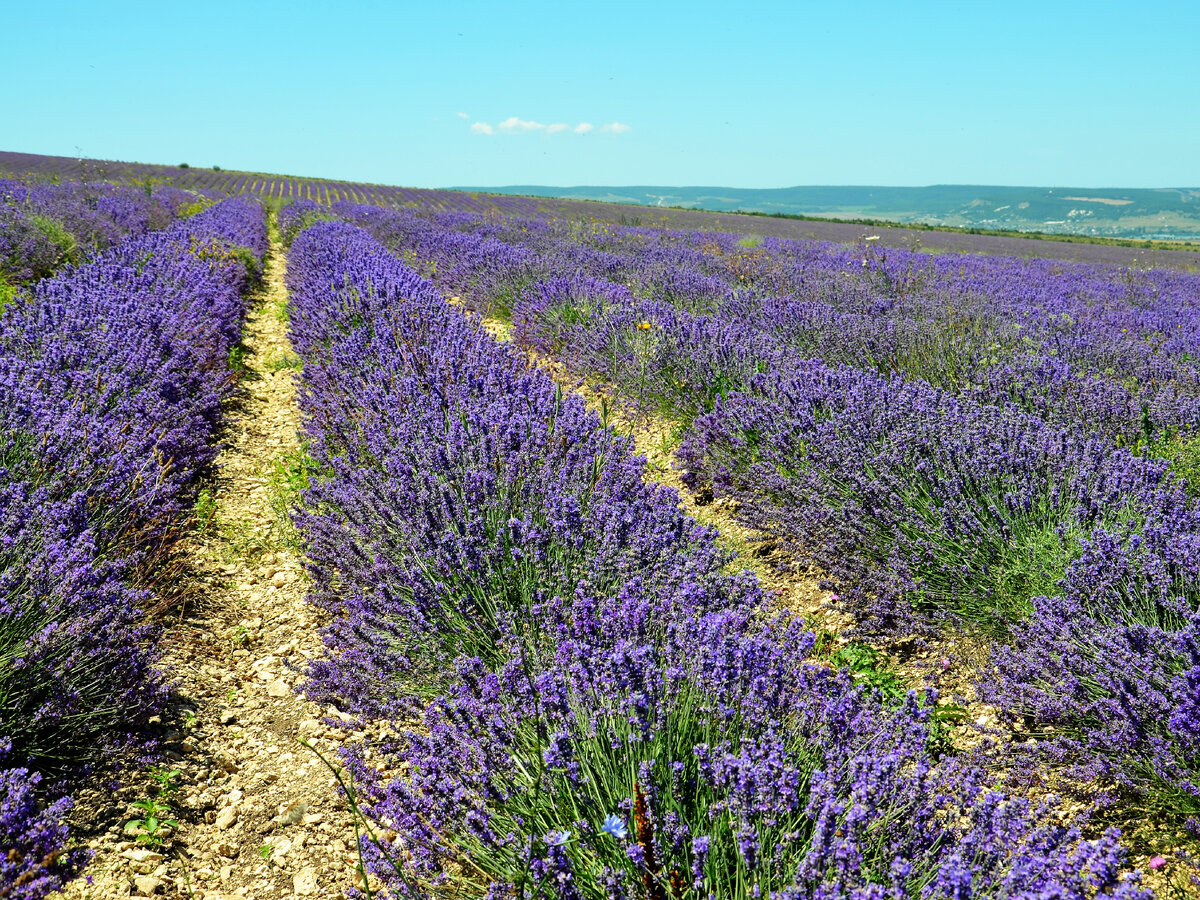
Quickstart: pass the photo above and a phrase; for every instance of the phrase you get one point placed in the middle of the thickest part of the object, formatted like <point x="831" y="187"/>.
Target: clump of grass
<point x="864" y="663"/>
<point x="241" y="542"/>
<point x="205" y="510"/>
<point x="1182" y="452"/>
<point x="237" y="360"/>
<point x="290" y="476"/>
<point x="58" y="235"/>
<point x="197" y="206"/>
<point x="8" y="293"/>
<point x="282" y="310"/>
<point x="285" y="361"/>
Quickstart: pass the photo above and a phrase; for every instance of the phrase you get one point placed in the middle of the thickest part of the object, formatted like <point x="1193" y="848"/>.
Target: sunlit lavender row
<point x="112" y="375"/>
<point x="1005" y="446"/>
<point x="604" y="711"/>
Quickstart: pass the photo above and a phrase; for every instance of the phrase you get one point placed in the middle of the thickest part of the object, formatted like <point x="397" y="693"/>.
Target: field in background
<point x="280" y="187"/>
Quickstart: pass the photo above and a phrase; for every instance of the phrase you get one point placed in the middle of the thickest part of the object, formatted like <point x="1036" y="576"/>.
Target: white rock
<point x="304" y="882"/>
<point x="227" y="817"/>
<point x="278" y="688"/>
<point x="141" y="855"/>
<point x="147" y="884"/>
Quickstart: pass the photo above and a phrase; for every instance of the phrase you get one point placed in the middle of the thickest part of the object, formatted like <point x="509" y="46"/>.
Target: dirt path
<point x="258" y="815"/>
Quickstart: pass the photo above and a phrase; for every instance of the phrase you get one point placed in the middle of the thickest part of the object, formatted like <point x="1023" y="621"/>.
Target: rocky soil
<point x="257" y="815"/>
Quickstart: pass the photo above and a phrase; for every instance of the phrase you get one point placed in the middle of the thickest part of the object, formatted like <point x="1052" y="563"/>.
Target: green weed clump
<point x="285" y="361"/>
<point x="58" y="235"/>
<point x="197" y="206"/>
<point x="237" y="360"/>
<point x="8" y="293"/>
<point x="290" y="476"/>
<point x="1182" y="452"/>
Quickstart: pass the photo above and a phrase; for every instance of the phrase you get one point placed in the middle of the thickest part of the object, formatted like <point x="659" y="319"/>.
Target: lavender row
<point x="1082" y="560"/>
<point x="601" y="710"/>
<point x="43" y="226"/>
<point x="925" y="506"/>
<point x="111" y="382"/>
<point x="1107" y="350"/>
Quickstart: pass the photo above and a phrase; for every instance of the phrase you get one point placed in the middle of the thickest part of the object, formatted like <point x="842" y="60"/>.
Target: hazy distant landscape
<point x="1140" y="213"/>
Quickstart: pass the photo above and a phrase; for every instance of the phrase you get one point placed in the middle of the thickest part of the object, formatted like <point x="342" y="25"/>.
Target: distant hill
<point x="1139" y="213"/>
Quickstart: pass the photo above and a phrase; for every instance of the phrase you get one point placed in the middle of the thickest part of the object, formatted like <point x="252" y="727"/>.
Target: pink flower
<point x="1157" y="863"/>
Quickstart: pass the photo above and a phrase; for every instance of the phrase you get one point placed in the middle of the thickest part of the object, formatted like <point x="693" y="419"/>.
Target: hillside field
<point x="382" y="542"/>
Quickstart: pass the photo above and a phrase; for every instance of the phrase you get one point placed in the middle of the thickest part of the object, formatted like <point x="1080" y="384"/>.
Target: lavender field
<point x="275" y="189"/>
<point x="542" y="671"/>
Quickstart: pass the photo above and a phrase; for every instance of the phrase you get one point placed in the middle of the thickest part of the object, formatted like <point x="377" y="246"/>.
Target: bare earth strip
<point x="258" y="815"/>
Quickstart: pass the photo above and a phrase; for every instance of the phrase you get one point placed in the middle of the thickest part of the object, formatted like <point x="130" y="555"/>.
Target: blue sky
<point x="740" y="94"/>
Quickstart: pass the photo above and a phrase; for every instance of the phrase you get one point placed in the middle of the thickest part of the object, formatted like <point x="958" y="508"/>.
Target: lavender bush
<point x="111" y="379"/>
<point x="606" y="712"/>
<point x="43" y="226"/>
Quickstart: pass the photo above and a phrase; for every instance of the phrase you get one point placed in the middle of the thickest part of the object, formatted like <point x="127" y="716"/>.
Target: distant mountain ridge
<point x="1139" y="213"/>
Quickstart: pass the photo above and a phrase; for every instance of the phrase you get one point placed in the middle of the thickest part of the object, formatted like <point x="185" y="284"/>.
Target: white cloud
<point x="462" y="115"/>
<point x="513" y="125"/>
